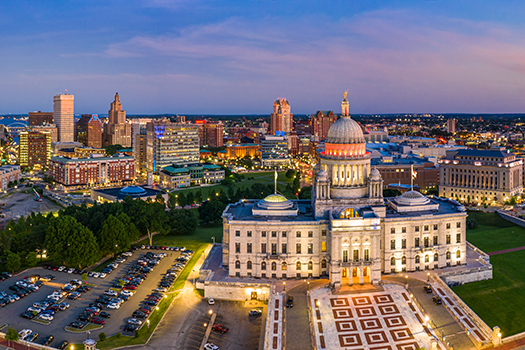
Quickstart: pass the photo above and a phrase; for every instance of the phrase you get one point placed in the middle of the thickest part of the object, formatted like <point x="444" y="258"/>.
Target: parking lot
<point x="10" y="313"/>
<point x="244" y="331"/>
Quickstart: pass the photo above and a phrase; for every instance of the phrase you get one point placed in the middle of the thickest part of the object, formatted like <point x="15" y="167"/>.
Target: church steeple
<point x="345" y="106"/>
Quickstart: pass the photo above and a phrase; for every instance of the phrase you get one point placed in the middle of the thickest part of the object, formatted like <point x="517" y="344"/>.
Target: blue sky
<point x="237" y="57"/>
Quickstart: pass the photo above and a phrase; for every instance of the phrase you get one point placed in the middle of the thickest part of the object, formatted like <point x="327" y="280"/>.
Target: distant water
<point x="10" y="120"/>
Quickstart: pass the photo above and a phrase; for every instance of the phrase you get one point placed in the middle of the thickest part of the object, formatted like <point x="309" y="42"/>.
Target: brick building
<point x="39" y="118"/>
<point x="242" y="150"/>
<point x="9" y="173"/>
<point x="94" y="171"/>
<point x="34" y="148"/>
<point x="321" y="123"/>
<point x="396" y="170"/>
<point x="94" y="132"/>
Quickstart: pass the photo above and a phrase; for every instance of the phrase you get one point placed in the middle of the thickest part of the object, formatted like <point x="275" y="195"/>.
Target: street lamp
<point x="427" y="319"/>
<point x="210" y="311"/>
<point x="147" y="323"/>
<point x="428" y="277"/>
<point x="284" y="286"/>
<point x="308" y="285"/>
<point x="406" y="281"/>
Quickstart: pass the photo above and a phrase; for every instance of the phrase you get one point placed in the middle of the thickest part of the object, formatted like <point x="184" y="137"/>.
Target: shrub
<point x="102" y="336"/>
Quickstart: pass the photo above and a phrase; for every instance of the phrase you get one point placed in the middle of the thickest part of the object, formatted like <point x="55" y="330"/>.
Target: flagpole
<point x="411" y="177"/>
<point x="275" y="182"/>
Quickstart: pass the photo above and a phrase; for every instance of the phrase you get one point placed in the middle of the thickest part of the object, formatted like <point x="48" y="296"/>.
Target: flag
<point x="414" y="173"/>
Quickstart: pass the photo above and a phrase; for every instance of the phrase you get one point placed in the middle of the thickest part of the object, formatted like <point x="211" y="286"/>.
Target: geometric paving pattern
<point x="372" y="321"/>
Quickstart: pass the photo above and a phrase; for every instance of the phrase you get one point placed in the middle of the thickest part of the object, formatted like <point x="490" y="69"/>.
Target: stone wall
<point x="235" y="290"/>
<point x="467" y="276"/>
<point x="511" y="218"/>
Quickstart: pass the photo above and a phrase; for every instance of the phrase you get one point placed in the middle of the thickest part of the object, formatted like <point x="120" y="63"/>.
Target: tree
<point x="160" y="198"/>
<point x="102" y="336"/>
<point x="151" y="219"/>
<point x="472" y="223"/>
<point x="131" y="229"/>
<point x="211" y="211"/>
<point x="31" y="259"/>
<point x="172" y="201"/>
<point x="70" y="242"/>
<point x="190" y="198"/>
<point x="12" y="262"/>
<point x="181" y="200"/>
<point x="113" y="236"/>
<point x="290" y="174"/>
<point x="297" y="183"/>
<point x="223" y="198"/>
<point x="182" y="222"/>
<point x="512" y="200"/>
<point x="306" y="192"/>
<point x="112" y="149"/>
<point x="198" y="196"/>
<point x="11" y="335"/>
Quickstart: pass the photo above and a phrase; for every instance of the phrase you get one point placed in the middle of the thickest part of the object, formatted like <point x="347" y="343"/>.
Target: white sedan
<point x="46" y="317"/>
<point x="113" y="306"/>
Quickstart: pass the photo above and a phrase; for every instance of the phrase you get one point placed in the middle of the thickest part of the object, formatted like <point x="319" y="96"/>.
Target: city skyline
<point x="238" y="57"/>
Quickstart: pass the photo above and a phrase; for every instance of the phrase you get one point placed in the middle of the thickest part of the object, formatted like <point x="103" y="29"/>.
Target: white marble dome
<point x="322" y="175"/>
<point x="345" y="131"/>
<point x="412" y="198"/>
<point x="275" y="202"/>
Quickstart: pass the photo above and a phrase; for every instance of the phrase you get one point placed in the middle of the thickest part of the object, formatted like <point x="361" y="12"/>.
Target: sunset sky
<point x="237" y="57"/>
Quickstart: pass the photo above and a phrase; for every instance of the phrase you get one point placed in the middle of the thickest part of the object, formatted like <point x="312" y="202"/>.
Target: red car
<point x="146" y="311"/>
<point x="130" y="287"/>
<point x="98" y="320"/>
<point x="219" y="328"/>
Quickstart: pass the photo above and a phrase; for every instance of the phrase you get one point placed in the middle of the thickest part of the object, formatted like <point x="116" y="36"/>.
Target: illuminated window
<point x="349" y="213"/>
<point x="323" y="246"/>
<point x="298" y="266"/>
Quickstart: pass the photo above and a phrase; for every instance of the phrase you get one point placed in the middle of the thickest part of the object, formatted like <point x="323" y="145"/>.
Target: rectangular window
<point x="249" y="233"/>
<point x="323" y="233"/>
<point x="393" y="230"/>
<point x="435" y="240"/>
<point x="283" y="248"/>
<point x="448" y="239"/>
<point x="367" y="254"/>
<point x="323" y="246"/>
<point x="435" y="227"/>
<point x="416" y="242"/>
<point x="249" y="248"/>
<point x="345" y="255"/>
<point x="426" y="227"/>
<point x="448" y="225"/>
<point x="393" y="244"/>
<point x="310" y="248"/>
<point x="283" y="234"/>
<point x="458" y="224"/>
<point x="310" y="234"/>
<point x="417" y="228"/>
<point x="404" y="243"/>
<point x="356" y="254"/>
<point x="274" y="248"/>
<point x="274" y="234"/>
<point x="458" y="238"/>
<point x="237" y="233"/>
<point x="263" y="248"/>
<point x="298" y="234"/>
<point x="237" y="247"/>
<point x="403" y="230"/>
<point x="263" y="234"/>
<point x="298" y="248"/>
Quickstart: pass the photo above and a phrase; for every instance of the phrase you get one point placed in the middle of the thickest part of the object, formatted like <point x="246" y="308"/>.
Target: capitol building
<point x="347" y="232"/>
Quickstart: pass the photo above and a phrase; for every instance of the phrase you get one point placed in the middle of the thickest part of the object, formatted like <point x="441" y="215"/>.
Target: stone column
<point x="496" y="336"/>
<point x="346" y="174"/>
<point x="361" y="277"/>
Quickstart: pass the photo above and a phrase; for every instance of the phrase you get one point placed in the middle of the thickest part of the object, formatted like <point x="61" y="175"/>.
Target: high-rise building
<point x="214" y="133"/>
<point x="451" y="126"/>
<point x="51" y="128"/>
<point x="171" y="144"/>
<point x="94" y="132"/>
<point x="274" y="151"/>
<point x="39" y="118"/>
<point x="34" y="148"/>
<point x="81" y="128"/>
<point x="63" y="116"/>
<point x="321" y="123"/>
<point x="117" y="131"/>
<point x="138" y="138"/>
<point x="281" y="118"/>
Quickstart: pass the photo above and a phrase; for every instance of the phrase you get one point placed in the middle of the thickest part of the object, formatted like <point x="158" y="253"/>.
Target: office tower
<point x="117" y="131"/>
<point x="171" y="143"/>
<point x="51" y="128"/>
<point x="94" y="132"/>
<point x="281" y="118"/>
<point x="34" y="148"/>
<point x="81" y="128"/>
<point x="321" y="123"/>
<point x="274" y="151"/>
<point x="451" y="125"/>
<point x="214" y="133"/>
<point x="180" y="119"/>
<point x="201" y="125"/>
<point x="63" y="116"/>
<point x="138" y="128"/>
<point x="39" y="118"/>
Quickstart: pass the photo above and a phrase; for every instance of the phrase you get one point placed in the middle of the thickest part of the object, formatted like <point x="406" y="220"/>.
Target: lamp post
<point x="308" y="285"/>
<point x="406" y="281"/>
<point x="428" y="277"/>
<point x="499" y="342"/>
<point x="284" y="287"/>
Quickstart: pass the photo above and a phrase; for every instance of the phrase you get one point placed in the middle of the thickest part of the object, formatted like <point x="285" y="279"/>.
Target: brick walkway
<point x="507" y="251"/>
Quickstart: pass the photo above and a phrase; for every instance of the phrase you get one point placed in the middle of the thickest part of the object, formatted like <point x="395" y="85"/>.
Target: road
<point x="63" y="318"/>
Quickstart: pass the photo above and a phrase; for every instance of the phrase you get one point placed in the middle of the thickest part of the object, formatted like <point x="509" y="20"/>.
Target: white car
<point x="211" y="301"/>
<point x="134" y="321"/>
<point x="162" y="290"/>
<point x="96" y="274"/>
<point x="127" y="254"/>
<point x="211" y="346"/>
<point x="36" y="309"/>
<point x="126" y="292"/>
<point x="24" y="332"/>
<point x="113" y="306"/>
<point x="70" y="270"/>
<point x="46" y="317"/>
<point x="111" y="293"/>
<point x="102" y="275"/>
<point x="61" y="268"/>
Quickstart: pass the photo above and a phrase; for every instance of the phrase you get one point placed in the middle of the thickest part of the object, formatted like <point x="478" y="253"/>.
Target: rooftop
<point x="483" y="153"/>
<point x="93" y="159"/>
<point x="118" y="193"/>
<point x="243" y="211"/>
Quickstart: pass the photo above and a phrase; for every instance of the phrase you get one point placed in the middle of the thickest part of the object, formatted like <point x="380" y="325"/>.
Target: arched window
<point x="310" y="265"/>
<point x="458" y="254"/>
<point x="417" y="259"/>
<point x="436" y="257"/>
<point x="427" y="258"/>
<point x="237" y="264"/>
<point x="392" y="261"/>
<point x="448" y="255"/>
<point x="323" y="264"/>
<point x="349" y="213"/>
<point x="274" y="266"/>
<point x="249" y="265"/>
<point x="404" y="260"/>
<point x="298" y="266"/>
<point x="263" y="265"/>
<point x="283" y="266"/>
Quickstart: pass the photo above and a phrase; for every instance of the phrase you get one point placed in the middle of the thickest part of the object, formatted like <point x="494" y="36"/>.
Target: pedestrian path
<point x="506" y="251"/>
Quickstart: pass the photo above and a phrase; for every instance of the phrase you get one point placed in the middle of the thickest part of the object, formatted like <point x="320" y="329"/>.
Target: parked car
<point x="105" y="314"/>
<point x="427" y="288"/>
<point x="219" y="328"/>
<point x="134" y="321"/>
<point x="437" y="300"/>
<point x="63" y="345"/>
<point x="255" y="312"/>
<point x="98" y="320"/>
<point x="46" y="317"/>
<point x="210" y="346"/>
<point x="289" y="301"/>
<point x="47" y="340"/>
<point x="78" y="325"/>
<point x="131" y="327"/>
<point x="31" y="337"/>
<point x="211" y="301"/>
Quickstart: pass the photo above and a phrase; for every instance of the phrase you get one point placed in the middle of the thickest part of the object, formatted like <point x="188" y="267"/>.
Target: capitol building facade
<point x="347" y="232"/>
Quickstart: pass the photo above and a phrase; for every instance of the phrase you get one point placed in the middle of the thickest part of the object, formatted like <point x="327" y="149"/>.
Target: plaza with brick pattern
<point x="383" y="320"/>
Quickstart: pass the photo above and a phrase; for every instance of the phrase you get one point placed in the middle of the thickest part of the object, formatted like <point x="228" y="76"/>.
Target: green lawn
<point x="494" y="233"/>
<point x="498" y="301"/>
<point x="266" y="178"/>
